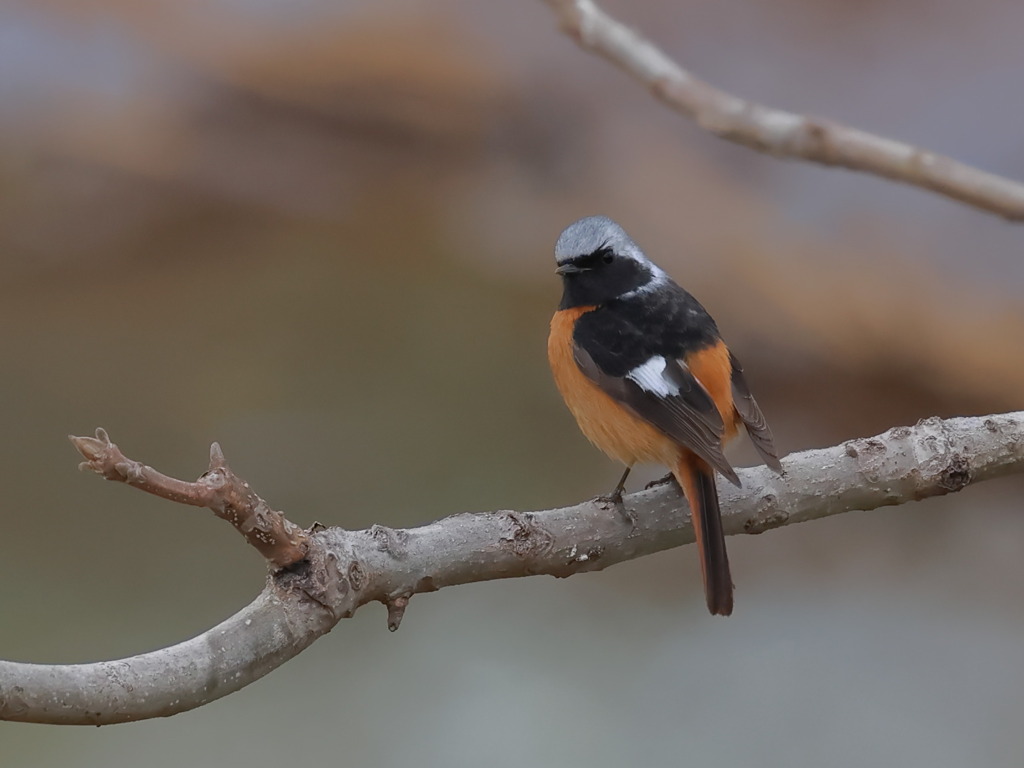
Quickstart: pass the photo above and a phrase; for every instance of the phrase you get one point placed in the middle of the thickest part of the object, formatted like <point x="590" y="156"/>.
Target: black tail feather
<point x="718" y="586"/>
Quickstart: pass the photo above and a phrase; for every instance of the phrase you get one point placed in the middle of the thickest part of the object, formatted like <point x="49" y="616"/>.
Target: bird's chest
<point x="611" y="427"/>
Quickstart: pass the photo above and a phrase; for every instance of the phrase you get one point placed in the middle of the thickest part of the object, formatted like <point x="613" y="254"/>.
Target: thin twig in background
<point x="344" y="570"/>
<point x="780" y="133"/>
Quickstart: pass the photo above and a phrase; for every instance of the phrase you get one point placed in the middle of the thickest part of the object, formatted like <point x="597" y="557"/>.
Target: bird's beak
<point x="570" y="269"/>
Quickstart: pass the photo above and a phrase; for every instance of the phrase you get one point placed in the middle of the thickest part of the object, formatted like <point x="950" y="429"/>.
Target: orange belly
<point x="615" y="429"/>
<point x="611" y="427"/>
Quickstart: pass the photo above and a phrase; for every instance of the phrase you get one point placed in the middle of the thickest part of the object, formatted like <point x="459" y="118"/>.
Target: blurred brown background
<point x="321" y="233"/>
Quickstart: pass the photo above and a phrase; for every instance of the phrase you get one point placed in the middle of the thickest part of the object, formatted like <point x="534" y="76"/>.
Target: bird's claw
<point x="615" y="500"/>
<point x="660" y="481"/>
<point x="609" y="500"/>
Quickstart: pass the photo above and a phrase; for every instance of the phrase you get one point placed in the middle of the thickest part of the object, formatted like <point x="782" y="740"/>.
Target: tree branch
<point x="343" y="570"/>
<point x="780" y="133"/>
<point x="280" y="541"/>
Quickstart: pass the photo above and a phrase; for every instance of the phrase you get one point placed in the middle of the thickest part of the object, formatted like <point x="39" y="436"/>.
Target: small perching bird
<point x="642" y="367"/>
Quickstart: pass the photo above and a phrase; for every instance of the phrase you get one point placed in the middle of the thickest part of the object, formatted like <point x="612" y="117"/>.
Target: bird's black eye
<point x="606" y="255"/>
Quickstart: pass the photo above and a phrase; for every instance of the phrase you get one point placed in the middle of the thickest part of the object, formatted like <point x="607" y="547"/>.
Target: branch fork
<point x="279" y="540"/>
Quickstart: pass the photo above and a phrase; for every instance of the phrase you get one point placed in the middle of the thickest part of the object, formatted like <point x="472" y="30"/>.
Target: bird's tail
<point x="697" y="480"/>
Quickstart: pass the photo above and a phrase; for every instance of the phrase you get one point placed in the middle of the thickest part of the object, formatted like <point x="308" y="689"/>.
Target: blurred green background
<point x="321" y="232"/>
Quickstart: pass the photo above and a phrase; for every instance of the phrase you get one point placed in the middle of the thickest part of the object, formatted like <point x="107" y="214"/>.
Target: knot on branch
<point x="322" y="578"/>
<point x="864" y="448"/>
<point x="768" y="516"/>
<point x="957" y="474"/>
<point x="390" y="541"/>
<point x="940" y="464"/>
<point x="523" y="536"/>
<point x="583" y="559"/>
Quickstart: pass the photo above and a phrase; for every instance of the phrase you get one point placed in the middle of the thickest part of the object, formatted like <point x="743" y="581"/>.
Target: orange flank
<point x="712" y="367"/>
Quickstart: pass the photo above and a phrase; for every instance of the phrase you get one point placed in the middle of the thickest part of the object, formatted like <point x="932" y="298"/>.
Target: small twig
<point x="279" y="540"/>
<point x="396" y="611"/>
<point x="780" y="133"/>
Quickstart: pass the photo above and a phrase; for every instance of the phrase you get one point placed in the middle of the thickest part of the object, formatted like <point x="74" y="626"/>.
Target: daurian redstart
<point x="642" y="367"/>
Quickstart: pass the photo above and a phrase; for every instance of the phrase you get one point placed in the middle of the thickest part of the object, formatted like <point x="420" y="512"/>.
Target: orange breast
<point x="608" y="425"/>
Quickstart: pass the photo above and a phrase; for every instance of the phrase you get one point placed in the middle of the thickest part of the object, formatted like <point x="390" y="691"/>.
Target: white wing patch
<point x="651" y="377"/>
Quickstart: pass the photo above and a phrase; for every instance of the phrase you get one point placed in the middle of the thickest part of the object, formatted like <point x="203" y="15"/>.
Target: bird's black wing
<point x="660" y="389"/>
<point x="753" y="419"/>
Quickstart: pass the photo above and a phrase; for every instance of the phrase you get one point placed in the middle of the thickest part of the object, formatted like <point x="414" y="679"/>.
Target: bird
<point x="642" y="367"/>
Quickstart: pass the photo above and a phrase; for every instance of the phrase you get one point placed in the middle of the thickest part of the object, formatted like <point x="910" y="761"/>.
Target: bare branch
<point x="280" y="541"/>
<point x="780" y="133"/>
<point x="269" y="631"/>
<point x="346" y="569"/>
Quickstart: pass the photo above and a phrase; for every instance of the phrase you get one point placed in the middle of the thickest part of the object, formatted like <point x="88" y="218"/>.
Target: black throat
<point x="597" y="282"/>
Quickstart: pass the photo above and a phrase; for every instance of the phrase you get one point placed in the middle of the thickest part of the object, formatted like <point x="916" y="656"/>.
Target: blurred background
<point x="321" y="233"/>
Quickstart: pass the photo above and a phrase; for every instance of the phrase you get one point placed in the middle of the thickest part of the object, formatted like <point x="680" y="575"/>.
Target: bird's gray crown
<point x="588" y="235"/>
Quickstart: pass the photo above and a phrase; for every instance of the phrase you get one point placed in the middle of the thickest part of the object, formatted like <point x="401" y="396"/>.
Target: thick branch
<point x="346" y="569"/>
<point x="781" y="133"/>
<point x="276" y="626"/>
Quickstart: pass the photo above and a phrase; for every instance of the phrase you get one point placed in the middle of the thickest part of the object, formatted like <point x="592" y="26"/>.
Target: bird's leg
<point x="615" y="497"/>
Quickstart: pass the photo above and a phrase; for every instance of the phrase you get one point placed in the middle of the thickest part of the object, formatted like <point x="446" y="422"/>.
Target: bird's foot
<point x="669" y="478"/>
<point x="614" y="499"/>
<point x="609" y="500"/>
